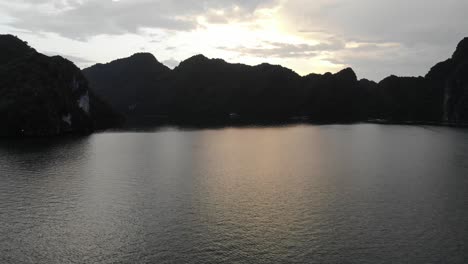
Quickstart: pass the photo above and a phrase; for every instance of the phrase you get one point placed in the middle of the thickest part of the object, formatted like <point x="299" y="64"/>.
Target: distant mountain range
<point x="49" y="95"/>
<point x="202" y="89"/>
<point x="205" y="90"/>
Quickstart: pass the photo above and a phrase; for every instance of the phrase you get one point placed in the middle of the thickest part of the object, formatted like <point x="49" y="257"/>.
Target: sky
<point x="376" y="38"/>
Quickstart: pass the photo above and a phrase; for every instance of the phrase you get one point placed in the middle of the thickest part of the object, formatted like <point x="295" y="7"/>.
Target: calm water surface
<point x="299" y="194"/>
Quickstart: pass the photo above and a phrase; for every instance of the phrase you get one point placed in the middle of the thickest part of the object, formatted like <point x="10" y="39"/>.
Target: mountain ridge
<point x="201" y="87"/>
<point x="41" y="95"/>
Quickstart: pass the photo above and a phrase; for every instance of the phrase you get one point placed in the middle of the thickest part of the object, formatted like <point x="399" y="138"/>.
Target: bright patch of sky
<point x="375" y="38"/>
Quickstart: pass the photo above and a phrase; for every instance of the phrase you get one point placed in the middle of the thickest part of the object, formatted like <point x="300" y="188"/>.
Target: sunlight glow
<point x="230" y="40"/>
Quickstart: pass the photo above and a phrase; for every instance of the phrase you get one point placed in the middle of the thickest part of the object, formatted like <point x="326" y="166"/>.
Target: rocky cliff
<point x="42" y="96"/>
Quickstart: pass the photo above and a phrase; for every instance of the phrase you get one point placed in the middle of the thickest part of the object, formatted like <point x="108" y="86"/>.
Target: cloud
<point x="408" y="22"/>
<point x="83" y="19"/>
<point x="287" y="50"/>
<point x="424" y="31"/>
<point x="376" y="38"/>
<point x="79" y="61"/>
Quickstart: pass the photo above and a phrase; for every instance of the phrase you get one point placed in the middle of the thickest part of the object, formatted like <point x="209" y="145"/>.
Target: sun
<point x="230" y="40"/>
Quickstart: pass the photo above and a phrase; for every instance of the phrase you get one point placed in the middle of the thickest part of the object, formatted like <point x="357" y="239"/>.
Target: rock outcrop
<point x="450" y="80"/>
<point x="43" y="96"/>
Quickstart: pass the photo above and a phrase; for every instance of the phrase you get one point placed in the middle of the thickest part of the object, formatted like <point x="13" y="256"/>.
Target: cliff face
<point x="41" y="96"/>
<point x="450" y="79"/>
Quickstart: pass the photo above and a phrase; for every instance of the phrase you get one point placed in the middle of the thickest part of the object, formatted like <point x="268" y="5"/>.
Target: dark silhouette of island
<point x="42" y="95"/>
<point x="212" y="90"/>
<point x="201" y="90"/>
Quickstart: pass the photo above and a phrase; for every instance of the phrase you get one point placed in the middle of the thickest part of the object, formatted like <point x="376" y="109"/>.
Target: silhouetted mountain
<point x="42" y="95"/>
<point x="334" y="97"/>
<point x="439" y="97"/>
<point x="405" y="99"/>
<point x="372" y="99"/>
<point x="211" y="89"/>
<point x="11" y="48"/>
<point x="201" y="88"/>
<point x="450" y="81"/>
<point x="127" y="84"/>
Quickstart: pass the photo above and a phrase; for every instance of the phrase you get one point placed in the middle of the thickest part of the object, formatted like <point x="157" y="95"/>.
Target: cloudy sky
<point x="374" y="37"/>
